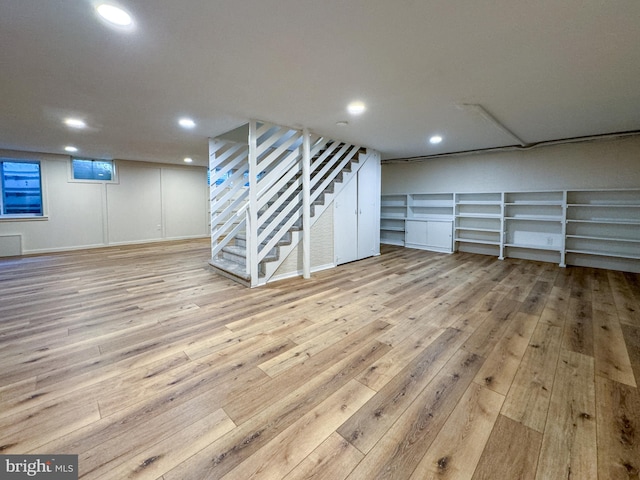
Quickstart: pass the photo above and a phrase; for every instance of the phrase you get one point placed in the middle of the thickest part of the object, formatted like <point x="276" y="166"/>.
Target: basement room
<point x="286" y="240"/>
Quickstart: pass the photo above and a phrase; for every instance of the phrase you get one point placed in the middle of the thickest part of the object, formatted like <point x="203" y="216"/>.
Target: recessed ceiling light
<point x="435" y="139"/>
<point x="356" y="108"/>
<point x="75" y="123"/>
<point x="114" y="15"/>
<point x="342" y="123"/>
<point x="70" y="148"/>
<point x="186" y="123"/>
<point x="188" y="160"/>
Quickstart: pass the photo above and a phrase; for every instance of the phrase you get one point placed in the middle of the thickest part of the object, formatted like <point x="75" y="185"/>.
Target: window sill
<point x="23" y="218"/>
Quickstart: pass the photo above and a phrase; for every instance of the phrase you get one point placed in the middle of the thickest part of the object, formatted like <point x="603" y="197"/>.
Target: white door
<point x="415" y="233"/>
<point x="369" y="208"/>
<point x="439" y="235"/>
<point x="345" y="221"/>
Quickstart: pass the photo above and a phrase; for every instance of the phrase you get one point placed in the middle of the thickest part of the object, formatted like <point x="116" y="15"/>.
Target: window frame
<point x="23" y="216"/>
<point x="114" y="171"/>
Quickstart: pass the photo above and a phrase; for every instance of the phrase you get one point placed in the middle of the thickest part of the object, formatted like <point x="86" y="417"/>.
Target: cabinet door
<point x="345" y="222"/>
<point x="369" y="208"/>
<point x="439" y="235"/>
<point x="416" y="233"/>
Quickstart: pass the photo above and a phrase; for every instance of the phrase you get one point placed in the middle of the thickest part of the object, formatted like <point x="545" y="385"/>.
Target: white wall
<point x="149" y="202"/>
<point x="597" y="164"/>
<point x="321" y="249"/>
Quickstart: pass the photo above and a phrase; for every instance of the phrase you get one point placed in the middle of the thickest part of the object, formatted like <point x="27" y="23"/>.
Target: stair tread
<point x="230" y="267"/>
<point x="242" y="252"/>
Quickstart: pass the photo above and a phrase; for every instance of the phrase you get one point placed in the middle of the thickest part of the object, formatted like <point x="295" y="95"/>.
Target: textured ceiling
<point x="545" y="69"/>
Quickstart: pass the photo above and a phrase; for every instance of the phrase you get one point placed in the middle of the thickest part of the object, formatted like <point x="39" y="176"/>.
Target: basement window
<point x="20" y="188"/>
<point x="92" y="170"/>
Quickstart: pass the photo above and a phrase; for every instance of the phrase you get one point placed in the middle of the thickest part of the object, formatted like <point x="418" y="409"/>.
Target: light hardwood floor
<point x="410" y="365"/>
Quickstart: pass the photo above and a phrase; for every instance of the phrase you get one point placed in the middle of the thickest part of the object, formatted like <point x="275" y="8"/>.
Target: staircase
<point x="269" y="209"/>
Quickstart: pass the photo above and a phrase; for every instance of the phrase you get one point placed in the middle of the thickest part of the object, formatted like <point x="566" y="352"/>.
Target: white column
<point x="252" y="227"/>
<point x="306" y="204"/>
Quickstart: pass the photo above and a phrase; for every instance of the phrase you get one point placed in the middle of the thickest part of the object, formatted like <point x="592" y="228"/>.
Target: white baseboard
<point x="106" y="245"/>
<point x="299" y="273"/>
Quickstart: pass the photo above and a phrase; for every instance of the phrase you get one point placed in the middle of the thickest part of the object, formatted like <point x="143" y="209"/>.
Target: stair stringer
<point x="270" y="268"/>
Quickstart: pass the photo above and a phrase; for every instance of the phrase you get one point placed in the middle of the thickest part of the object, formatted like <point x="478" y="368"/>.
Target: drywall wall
<point x="594" y="164"/>
<point x="134" y="204"/>
<point x="149" y="202"/>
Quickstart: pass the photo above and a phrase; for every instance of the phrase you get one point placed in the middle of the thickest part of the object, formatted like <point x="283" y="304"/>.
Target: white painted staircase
<point x="256" y="224"/>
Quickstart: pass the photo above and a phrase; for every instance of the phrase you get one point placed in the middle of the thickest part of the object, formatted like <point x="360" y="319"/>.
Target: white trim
<point x="23" y="218"/>
<point x="114" y="171"/>
<point x="113" y="244"/>
<point x="299" y="273"/>
<point x="306" y="204"/>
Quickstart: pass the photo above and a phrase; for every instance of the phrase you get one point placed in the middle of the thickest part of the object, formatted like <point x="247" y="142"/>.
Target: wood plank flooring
<point x="411" y="365"/>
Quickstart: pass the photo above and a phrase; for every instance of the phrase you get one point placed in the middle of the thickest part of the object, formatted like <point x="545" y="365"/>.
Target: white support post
<point x="212" y="214"/>
<point x="306" y="204"/>
<point x="252" y="226"/>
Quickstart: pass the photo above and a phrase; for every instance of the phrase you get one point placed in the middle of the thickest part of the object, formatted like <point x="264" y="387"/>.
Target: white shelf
<point x="598" y="228"/>
<point x="603" y="197"/>
<point x="392" y="229"/>
<point x="555" y="197"/>
<point x="605" y="239"/>
<point x="483" y="242"/>
<point x="612" y="221"/>
<point x="604" y="205"/>
<point x="533" y="247"/>
<point x="536" y="218"/>
<point x="472" y="229"/>
<point x="478" y="215"/>
<point x="537" y="203"/>
<point x="389" y="241"/>
<point x="604" y="254"/>
<point x="485" y="198"/>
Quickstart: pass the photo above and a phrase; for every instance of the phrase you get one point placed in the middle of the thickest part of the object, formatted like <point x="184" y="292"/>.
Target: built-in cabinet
<point x="597" y="228"/>
<point x="356" y="220"/>
<point x="418" y="220"/>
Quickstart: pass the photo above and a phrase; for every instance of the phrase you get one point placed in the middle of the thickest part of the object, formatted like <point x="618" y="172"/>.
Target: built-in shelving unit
<point x="393" y="212"/>
<point x="478" y="223"/>
<point x="534" y="225"/>
<point x="430" y="206"/>
<point x="421" y="220"/>
<point x="596" y="228"/>
<point x="603" y="228"/>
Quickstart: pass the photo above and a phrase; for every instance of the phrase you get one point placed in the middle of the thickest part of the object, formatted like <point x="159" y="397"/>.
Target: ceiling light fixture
<point x="342" y="123"/>
<point x="435" y="139"/>
<point x="75" y="123"/>
<point x="70" y="149"/>
<point x="356" y="108"/>
<point x="115" y="15"/>
<point x="186" y="123"/>
<point x="188" y="160"/>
